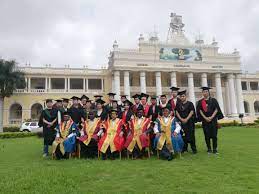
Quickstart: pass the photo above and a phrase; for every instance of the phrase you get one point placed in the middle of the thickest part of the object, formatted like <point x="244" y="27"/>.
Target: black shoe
<point x="209" y="151"/>
<point x="215" y="152"/>
<point x="171" y="157"/>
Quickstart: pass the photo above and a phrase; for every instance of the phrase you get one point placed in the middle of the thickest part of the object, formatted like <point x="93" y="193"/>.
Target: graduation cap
<point x="74" y="98"/>
<point x="98" y="96"/>
<point x="115" y="101"/>
<point x="111" y="94"/>
<point x="65" y="100"/>
<point x="48" y="100"/>
<point x="183" y="92"/>
<point x="154" y="97"/>
<point x="205" y="88"/>
<point x="144" y="95"/>
<point x="136" y="96"/>
<point x="84" y="97"/>
<point x="173" y="88"/>
<point x="100" y="101"/>
<point x="88" y="100"/>
<point x="58" y="100"/>
<point x="128" y="102"/>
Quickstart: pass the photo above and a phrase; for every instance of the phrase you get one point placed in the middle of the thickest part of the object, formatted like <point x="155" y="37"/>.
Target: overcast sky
<point x="81" y="32"/>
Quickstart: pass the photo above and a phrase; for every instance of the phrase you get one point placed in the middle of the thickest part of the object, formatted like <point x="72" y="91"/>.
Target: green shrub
<point x="11" y="129"/>
<point x="15" y="135"/>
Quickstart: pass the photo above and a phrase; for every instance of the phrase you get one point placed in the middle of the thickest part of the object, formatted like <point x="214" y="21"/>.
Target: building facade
<point x="152" y="67"/>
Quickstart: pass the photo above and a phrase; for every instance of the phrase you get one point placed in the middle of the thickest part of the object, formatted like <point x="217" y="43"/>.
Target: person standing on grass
<point x="185" y="112"/>
<point x="137" y="103"/>
<point x="174" y="100"/>
<point x="48" y="120"/>
<point x="76" y="111"/>
<point x="209" y="112"/>
<point x="65" y="141"/>
<point x="168" y="139"/>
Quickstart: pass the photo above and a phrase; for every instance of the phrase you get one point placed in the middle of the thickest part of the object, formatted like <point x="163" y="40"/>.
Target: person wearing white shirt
<point x="168" y="139"/>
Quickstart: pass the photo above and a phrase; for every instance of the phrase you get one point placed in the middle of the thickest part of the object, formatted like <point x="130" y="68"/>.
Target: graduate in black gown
<point x="185" y="112"/>
<point x="108" y="106"/>
<point x="174" y="100"/>
<point x="100" y="111"/>
<point x="48" y="120"/>
<point x="209" y="112"/>
<point x="76" y="111"/>
<point x="154" y="109"/>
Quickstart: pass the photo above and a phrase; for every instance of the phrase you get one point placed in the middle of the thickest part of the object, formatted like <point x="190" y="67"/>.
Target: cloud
<point x="81" y="32"/>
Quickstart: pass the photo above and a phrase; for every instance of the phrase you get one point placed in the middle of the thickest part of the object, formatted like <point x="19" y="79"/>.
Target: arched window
<point x="247" y="108"/>
<point x="256" y="107"/>
<point x="36" y="110"/>
<point x="15" y="114"/>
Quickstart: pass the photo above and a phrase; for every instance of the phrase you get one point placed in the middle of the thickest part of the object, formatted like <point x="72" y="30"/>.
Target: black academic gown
<point x="49" y="133"/>
<point x="103" y="115"/>
<point x="76" y="114"/>
<point x="210" y="128"/>
<point x="153" y="112"/>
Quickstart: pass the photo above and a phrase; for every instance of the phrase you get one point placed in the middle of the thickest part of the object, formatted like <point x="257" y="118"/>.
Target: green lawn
<point x="235" y="169"/>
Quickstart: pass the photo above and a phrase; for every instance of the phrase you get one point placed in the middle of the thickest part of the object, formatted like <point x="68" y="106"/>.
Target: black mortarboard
<point x="128" y="102"/>
<point x="144" y="95"/>
<point x="58" y="100"/>
<point x="84" y="97"/>
<point x="100" y="101"/>
<point x="98" y="96"/>
<point x="115" y="101"/>
<point x="173" y="88"/>
<point x="163" y="95"/>
<point x="154" y="97"/>
<point x="65" y="100"/>
<point x="48" y="100"/>
<point x="74" y="98"/>
<point x="88" y="100"/>
<point x="123" y="95"/>
<point x="205" y="88"/>
<point x="136" y="96"/>
<point x="111" y="94"/>
<point x="181" y="92"/>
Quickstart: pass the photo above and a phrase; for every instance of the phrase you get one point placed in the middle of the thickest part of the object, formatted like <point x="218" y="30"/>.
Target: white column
<point x="126" y="84"/>
<point x="68" y="84"/>
<point x="240" y="98"/>
<point x="65" y="84"/>
<point x="49" y="83"/>
<point x="204" y="82"/>
<point x="84" y="85"/>
<point x="219" y="91"/>
<point x="46" y="84"/>
<point x="173" y="79"/>
<point x="232" y="96"/>
<point x="117" y="84"/>
<point x="143" y="88"/>
<point x="158" y="84"/>
<point x="29" y="84"/>
<point x="191" y="88"/>
<point x="113" y="84"/>
<point x="228" y="105"/>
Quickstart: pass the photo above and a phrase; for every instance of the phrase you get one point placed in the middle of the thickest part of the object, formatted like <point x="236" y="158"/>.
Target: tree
<point x="11" y="78"/>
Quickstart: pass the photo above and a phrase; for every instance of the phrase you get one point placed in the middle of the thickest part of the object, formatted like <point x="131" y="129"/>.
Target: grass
<point x="235" y="169"/>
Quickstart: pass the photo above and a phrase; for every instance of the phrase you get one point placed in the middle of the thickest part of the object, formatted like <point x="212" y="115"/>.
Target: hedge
<point x="11" y="129"/>
<point x="16" y="135"/>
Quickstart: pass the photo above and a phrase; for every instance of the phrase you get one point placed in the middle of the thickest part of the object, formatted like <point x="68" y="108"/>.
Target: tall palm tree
<point x="11" y="78"/>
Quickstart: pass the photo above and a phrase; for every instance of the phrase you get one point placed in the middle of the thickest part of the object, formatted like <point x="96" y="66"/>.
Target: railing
<point x="15" y="121"/>
<point x="38" y="90"/>
<point x="57" y="91"/>
<point x="20" y="91"/>
<point x="76" y="90"/>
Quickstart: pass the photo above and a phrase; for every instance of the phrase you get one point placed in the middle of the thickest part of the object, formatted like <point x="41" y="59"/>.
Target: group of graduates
<point x="109" y="130"/>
